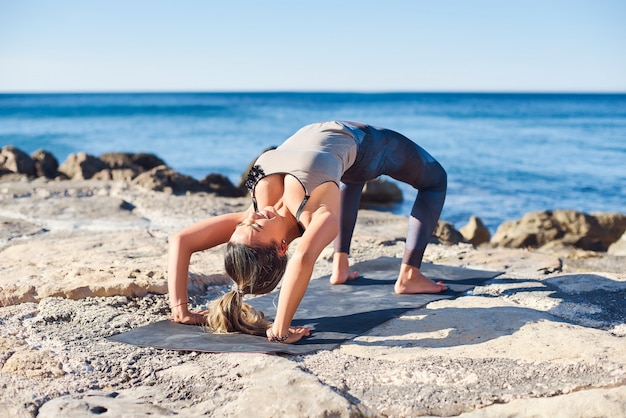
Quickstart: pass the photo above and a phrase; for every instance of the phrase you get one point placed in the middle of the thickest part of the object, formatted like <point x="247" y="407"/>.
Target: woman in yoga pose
<point x="307" y="188"/>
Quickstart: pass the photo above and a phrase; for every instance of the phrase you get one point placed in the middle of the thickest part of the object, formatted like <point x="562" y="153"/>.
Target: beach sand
<point x="82" y="260"/>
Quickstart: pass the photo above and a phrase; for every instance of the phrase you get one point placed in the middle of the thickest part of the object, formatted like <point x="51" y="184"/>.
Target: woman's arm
<point x="320" y="232"/>
<point x="201" y="236"/>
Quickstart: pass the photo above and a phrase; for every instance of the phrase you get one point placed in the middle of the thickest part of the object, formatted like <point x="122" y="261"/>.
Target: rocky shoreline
<point x="85" y="258"/>
<point x="558" y="229"/>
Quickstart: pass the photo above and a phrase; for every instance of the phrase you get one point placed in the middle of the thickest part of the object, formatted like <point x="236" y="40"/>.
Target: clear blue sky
<point x="327" y="45"/>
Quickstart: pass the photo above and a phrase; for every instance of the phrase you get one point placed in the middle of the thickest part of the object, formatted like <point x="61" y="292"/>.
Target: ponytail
<point x="254" y="271"/>
<point x="230" y="314"/>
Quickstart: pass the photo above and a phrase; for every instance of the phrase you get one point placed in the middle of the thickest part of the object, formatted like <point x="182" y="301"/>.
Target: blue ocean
<point x="505" y="154"/>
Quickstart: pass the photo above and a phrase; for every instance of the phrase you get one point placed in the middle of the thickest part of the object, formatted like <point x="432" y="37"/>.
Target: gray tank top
<point x="315" y="154"/>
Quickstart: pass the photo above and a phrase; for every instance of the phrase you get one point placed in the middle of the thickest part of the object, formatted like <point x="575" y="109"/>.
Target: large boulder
<point x="127" y="166"/>
<point x="221" y="186"/>
<point x="619" y="246"/>
<point x="139" y="162"/>
<point x="564" y="227"/>
<point x="447" y="234"/>
<point x="381" y="192"/>
<point x="475" y="232"/>
<point x="82" y="166"/>
<point x="612" y="225"/>
<point x="46" y="165"/>
<point x="165" y="179"/>
<point x="16" y="161"/>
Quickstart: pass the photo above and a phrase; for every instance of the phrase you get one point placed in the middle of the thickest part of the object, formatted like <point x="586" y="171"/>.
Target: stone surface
<point x="138" y="162"/>
<point x="447" y="234"/>
<point x="592" y="403"/>
<point x="221" y="186"/>
<point x="594" y="232"/>
<point x="46" y="165"/>
<point x="82" y="166"/>
<point x="165" y="179"/>
<point x="17" y="161"/>
<point x="34" y="364"/>
<point x="475" y="231"/>
<point x="82" y="260"/>
<point x="381" y="191"/>
<point x="618" y="248"/>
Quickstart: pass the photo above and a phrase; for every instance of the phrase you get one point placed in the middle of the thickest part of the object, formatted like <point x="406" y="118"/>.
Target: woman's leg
<point x="350" y="201"/>
<point x="422" y="223"/>
<point x="411" y="164"/>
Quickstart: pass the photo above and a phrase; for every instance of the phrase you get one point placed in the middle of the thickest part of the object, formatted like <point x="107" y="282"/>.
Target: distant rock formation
<point x="552" y="229"/>
<point x="567" y="228"/>
<point x="146" y="170"/>
<point x="476" y="232"/>
<point x="15" y="160"/>
<point x="381" y="192"/>
<point x="619" y="246"/>
<point x="82" y="166"/>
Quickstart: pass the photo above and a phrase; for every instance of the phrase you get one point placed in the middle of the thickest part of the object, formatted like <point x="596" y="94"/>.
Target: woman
<point x="307" y="188"/>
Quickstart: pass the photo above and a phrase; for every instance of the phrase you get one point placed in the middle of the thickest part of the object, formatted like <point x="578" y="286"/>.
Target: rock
<point x="381" y="191"/>
<point x="165" y="179"/>
<point x="123" y="174"/>
<point x="262" y="378"/>
<point x="447" y="234"/>
<point x="565" y="227"/>
<point x="609" y="402"/>
<point x="475" y="231"/>
<point x="46" y="165"/>
<point x="127" y="166"/>
<point x="11" y="344"/>
<point x="265" y="379"/>
<point x="82" y="166"/>
<point x="516" y="260"/>
<point x="506" y="348"/>
<point x="33" y="363"/>
<point x="5" y="171"/>
<point x="221" y="186"/>
<point x="613" y="226"/>
<point x="78" y="264"/>
<point x="16" y="160"/>
<point x="619" y="246"/>
<point x="140" y="162"/>
<point x="107" y="404"/>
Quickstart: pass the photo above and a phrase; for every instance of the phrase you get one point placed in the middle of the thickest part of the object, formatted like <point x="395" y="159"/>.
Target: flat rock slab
<point x="517" y="262"/>
<point x="534" y="341"/>
<point x="251" y="388"/>
<point x="592" y="403"/>
<point x="83" y="264"/>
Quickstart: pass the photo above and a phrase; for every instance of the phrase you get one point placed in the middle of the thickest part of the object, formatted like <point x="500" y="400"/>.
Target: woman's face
<point x="260" y="228"/>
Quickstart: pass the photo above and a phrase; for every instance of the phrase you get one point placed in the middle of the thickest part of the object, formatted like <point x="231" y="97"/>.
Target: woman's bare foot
<point x="341" y="269"/>
<point x="411" y="280"/>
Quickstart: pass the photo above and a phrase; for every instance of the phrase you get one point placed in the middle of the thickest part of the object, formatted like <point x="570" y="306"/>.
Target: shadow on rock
<point x="451" y="327"/>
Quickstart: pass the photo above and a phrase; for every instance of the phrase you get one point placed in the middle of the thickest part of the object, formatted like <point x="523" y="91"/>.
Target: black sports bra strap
<point x="255" y="205"/>
<point x="299" y="212"/>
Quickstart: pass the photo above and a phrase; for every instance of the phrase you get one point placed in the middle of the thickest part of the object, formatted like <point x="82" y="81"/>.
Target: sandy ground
<point x="84" y="260"/>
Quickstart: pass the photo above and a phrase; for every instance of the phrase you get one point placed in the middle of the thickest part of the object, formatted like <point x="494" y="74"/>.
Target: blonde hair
<point x="255" y="270"/>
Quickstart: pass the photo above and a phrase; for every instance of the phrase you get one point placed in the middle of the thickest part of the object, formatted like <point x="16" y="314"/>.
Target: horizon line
<point x="304" y="91"/>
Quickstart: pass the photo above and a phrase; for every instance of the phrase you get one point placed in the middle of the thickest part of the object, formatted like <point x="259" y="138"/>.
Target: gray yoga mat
<point x="334" y="313"/>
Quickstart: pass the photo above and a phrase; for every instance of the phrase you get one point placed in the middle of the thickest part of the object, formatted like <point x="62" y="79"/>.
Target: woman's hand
<point x="295" y="334"/>
<point x="189" y="318"/>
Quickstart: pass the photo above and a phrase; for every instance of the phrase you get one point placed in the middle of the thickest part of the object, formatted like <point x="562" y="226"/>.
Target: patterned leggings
<point x="384" y="151"/>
